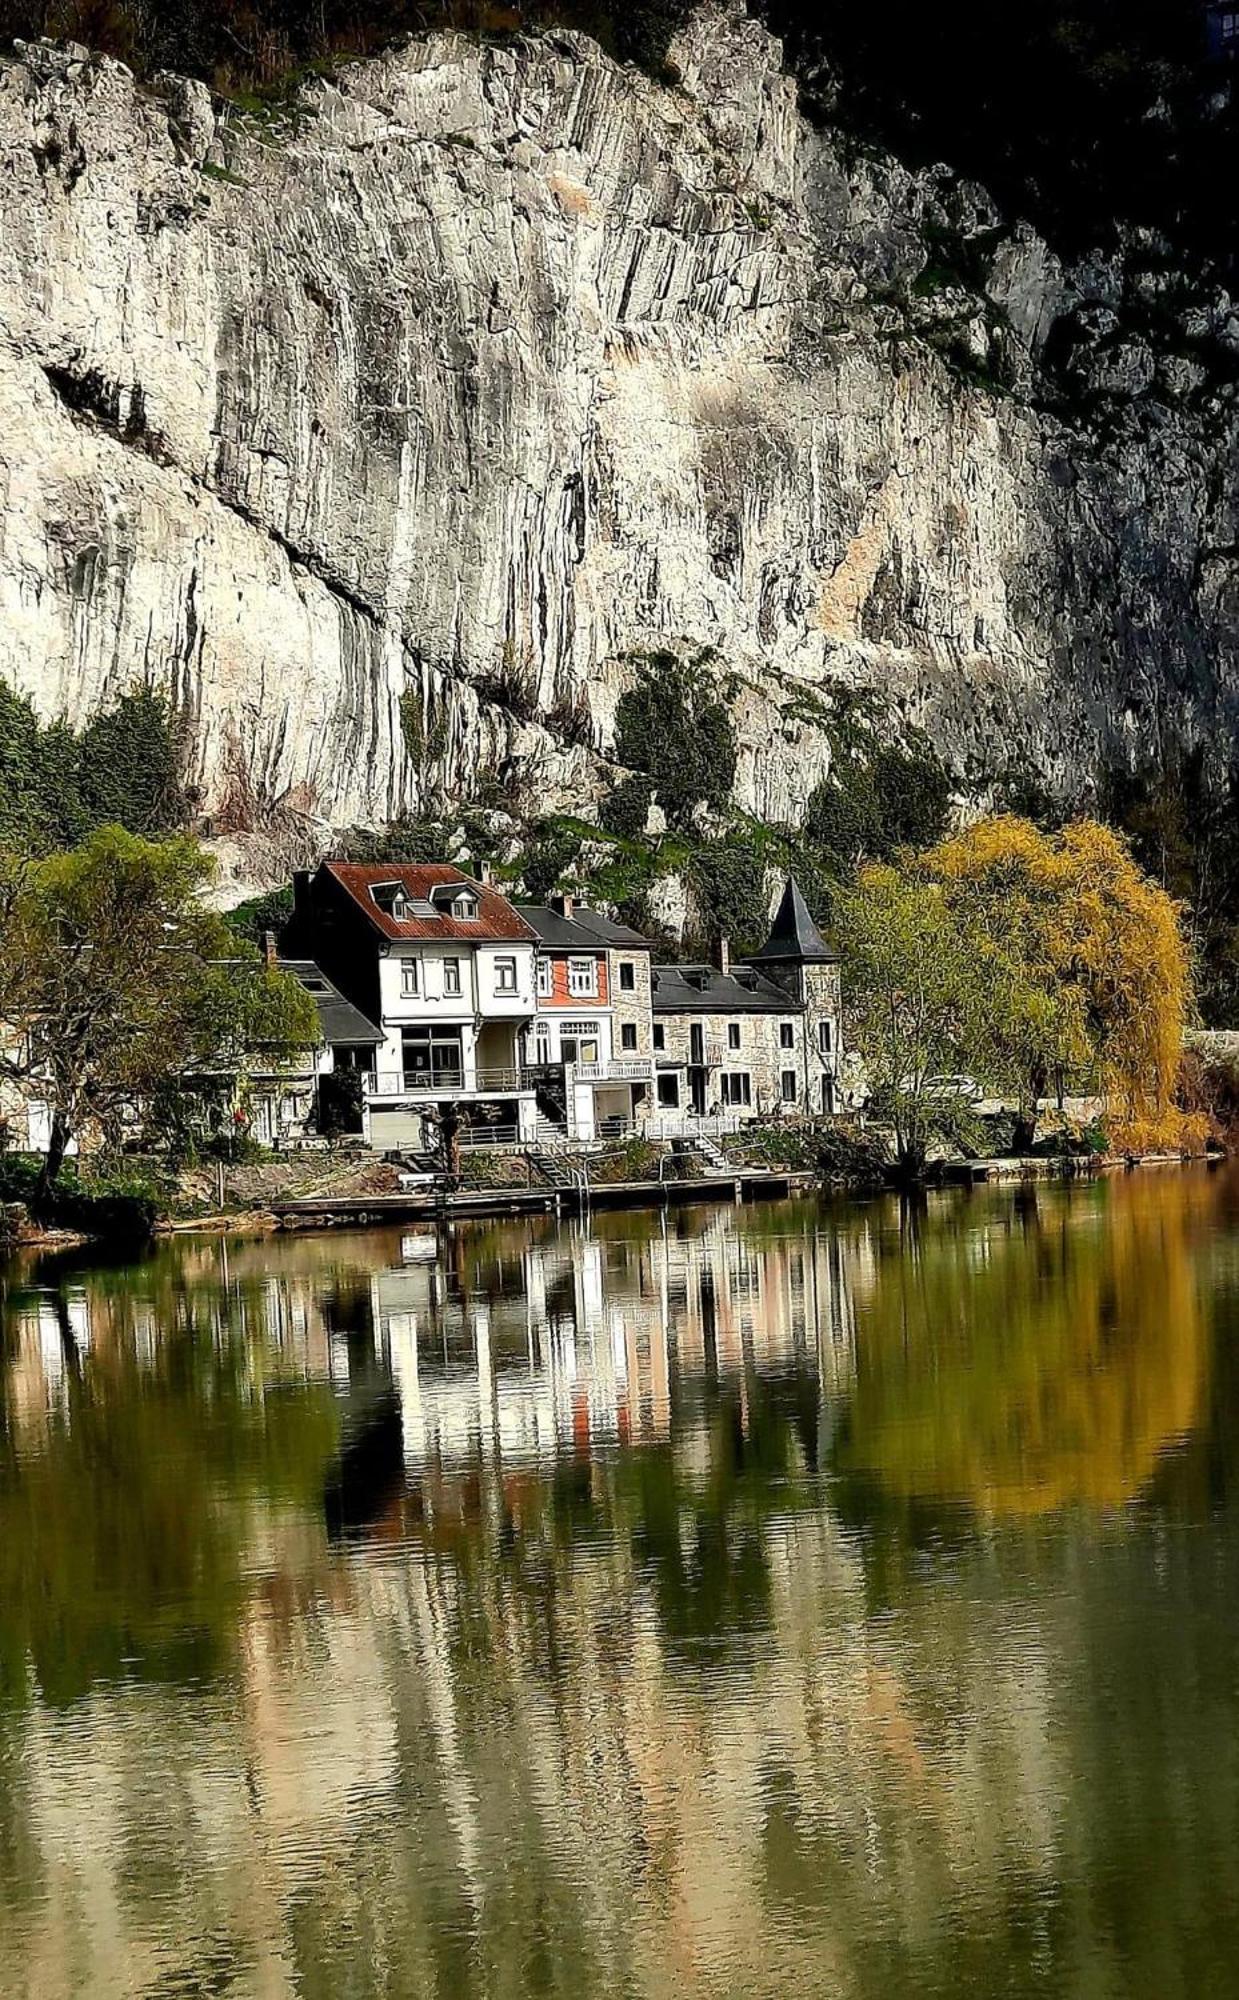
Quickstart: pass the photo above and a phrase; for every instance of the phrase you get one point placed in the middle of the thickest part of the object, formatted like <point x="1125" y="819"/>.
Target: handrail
<point x="443" y="1078"/>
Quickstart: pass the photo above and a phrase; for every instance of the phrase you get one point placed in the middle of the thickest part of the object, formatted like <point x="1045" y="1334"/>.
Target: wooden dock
<point x="427" y="1205"/>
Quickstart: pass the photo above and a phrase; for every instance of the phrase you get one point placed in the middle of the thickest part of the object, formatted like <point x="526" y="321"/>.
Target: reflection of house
<point x="749" y="1039"/>
<point x="590" y="1047"/>
<point x="445" y="966"/>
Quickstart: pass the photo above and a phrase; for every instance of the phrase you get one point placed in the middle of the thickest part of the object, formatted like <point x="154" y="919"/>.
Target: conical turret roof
<point x="794" y="937"/>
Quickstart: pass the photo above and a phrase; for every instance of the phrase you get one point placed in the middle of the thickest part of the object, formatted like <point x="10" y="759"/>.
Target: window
<point x="451" y="975"/>
<point x="628" y="1035"/>
<point x="660" y="1037"/>
<point x="628" y="976"/>
<point x="787" y="1084"/>
<point x="669" y="1092"/>
<point x="465" y="908"/>
<point x="505" y="975"/>
<point x="737" y="1087"/>
<point x="545" y="979"/>
<point x="410" y="976"/>
<point x="582" y="976"/>
<point x="733" y="1034"/>
<point x="391" y="899"/>
<point x="824" y="1037"/>
<point x="787" y="1034"/>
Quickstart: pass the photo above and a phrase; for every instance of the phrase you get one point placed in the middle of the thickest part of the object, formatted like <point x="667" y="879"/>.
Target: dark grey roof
<point x="610" y="932"/>
<point x="559" y="932"/>
<point x="794" y="937"/>
<point x="338" y="1019"/>
<point x="703" y="989"/>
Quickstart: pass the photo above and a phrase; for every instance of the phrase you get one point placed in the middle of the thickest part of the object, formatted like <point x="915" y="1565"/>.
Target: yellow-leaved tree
<point x="1106" y="946"/>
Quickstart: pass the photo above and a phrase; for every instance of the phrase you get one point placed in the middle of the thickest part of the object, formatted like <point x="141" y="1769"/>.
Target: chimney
<point x="268" y="950"/>
<point x="722" y="956"/>
<point x="564" y="904"/>
<point x="485" y="874"/>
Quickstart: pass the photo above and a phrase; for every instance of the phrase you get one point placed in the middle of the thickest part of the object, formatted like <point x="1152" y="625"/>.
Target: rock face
<point x="382" y="434"/>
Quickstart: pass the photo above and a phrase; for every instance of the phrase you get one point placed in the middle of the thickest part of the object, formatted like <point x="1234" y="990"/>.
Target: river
<point x="804" y="1598"/>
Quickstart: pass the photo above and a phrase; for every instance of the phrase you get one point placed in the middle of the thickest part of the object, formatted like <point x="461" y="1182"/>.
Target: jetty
<point x="573" y="1197"/>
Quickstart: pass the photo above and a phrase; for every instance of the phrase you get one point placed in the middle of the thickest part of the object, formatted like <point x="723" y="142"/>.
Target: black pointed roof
<point x="794" y="937"/>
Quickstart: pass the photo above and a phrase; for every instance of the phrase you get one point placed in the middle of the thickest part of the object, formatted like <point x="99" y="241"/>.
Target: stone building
<point x="754" y="1039"/>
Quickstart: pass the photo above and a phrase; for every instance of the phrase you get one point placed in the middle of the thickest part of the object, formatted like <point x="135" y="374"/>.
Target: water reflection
<point x="837" y="1599"/>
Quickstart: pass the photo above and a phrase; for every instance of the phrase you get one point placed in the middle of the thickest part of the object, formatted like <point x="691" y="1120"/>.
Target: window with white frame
<point x="505" y="975"/>
<point x="787" y="1084"/>
<point x="410" y="977"/>
<point x="737" y="1087"/>
<point x="787" y="1034"/>
<point x="464" y="907"/>
<point x="582" y="975"/>
<point x="546" y="981"/>
<point x="451" y="976"/>
<point x="733" y="1034"/>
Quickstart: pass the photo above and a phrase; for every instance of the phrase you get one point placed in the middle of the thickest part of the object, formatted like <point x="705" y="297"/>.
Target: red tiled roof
<point x="496" y="920"/>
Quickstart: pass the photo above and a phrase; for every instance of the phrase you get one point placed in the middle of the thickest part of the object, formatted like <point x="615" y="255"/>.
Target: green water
<point x="799" y="1599"/>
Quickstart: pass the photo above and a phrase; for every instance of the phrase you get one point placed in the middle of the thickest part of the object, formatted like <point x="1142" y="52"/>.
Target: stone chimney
<point x="269" y="951"/>
<point x="564" y="904"/>
<point x="486" y="875"/>
<point x="722" y="956"/>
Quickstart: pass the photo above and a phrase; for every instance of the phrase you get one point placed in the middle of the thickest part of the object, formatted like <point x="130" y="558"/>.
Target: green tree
<point x="116" y="982"/>
<point x="877" y="800"/>
<point x="925" y="990"/>
<point x="672" y="728"/>
<point x="123" y="768"/>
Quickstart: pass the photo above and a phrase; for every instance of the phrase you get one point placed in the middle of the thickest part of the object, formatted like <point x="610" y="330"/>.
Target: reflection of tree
<point x="1044" y="1359"/>
<point x="123" y="1535"/>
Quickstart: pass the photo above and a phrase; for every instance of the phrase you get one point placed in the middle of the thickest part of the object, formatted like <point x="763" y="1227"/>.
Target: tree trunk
<point x="1025" y="1132"/>
<point x="1026" y="1115"/>
<point x="54" y="1159"/>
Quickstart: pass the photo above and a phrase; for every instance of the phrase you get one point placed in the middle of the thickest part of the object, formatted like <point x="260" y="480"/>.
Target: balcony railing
<point x="444" y="1080"/>
<point x="621" y="1069"/>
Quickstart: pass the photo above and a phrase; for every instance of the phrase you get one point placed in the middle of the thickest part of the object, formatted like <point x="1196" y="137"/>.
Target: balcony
<point x="621" y="1069"/>
<point x="445" y="1080"/>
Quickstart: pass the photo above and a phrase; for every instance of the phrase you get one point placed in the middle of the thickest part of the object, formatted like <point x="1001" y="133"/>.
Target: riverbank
<point x="350" y="1187"/>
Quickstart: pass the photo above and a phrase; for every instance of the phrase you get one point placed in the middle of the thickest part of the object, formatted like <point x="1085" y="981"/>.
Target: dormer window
<point x="456" y="899"/>
<point x="391" y="899"/>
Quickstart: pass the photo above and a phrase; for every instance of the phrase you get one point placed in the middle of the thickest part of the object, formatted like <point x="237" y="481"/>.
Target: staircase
<point x="552" y="1169"/>
<point x="716" y="1161"/>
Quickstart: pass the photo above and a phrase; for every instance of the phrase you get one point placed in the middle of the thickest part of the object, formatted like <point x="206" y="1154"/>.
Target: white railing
<point x="442" y="1081"/>
<point x="688" y="1125"/>
<point x="621" y="1069"/>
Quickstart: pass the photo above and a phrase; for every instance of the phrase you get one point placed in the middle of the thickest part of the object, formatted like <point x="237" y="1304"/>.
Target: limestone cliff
<point x="488" y="366"/>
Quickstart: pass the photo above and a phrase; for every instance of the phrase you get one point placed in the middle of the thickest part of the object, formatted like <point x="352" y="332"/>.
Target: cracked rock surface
<point x="492" y="365"/>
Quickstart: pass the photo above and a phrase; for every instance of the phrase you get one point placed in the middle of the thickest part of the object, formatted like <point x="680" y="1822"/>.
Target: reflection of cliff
<point x="607" y="1698"/>
<point x="1045" y="1358"/>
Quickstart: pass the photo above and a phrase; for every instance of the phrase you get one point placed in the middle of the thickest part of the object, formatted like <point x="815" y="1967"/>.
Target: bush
<point x="117" y="1204"/>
